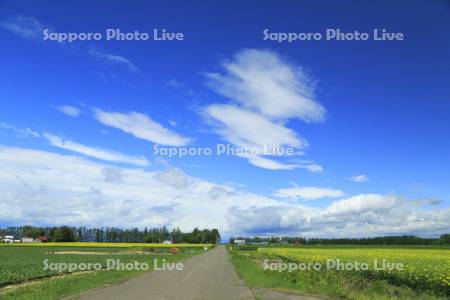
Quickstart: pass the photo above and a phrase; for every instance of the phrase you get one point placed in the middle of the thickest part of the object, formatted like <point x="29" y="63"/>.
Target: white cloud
<point x="21" y="132"/>
<point x="269" y="164"/>
<point x="174" y="177"/>
<point x="26" y="27"/>
<point x="311" y="166"/>
<point x="95" y="152"/>
<point x="79" y="192"/>
<point x="114" y="59"/>
<point x="363" y="203"/>
<point x="76" y="191"/>
<point x="141" y="126"/>
<point x="173" y="83"/>
<point x="359" y="178"/>
<point x="112" y="174"/>
<point x="308" y="192"/>
<point x="69" y="110"/>
<point x="263" y="81"/>
<point x="365" y="215"/>
<point x="248" y="129"/>
<point x="32" y="29"/>
<point x="266" y="92"/>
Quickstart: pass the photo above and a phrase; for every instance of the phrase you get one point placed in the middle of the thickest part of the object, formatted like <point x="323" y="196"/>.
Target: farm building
<point x="41" y="239"/>
<point x="27" y="240"/>
<point x="8" y="239"/>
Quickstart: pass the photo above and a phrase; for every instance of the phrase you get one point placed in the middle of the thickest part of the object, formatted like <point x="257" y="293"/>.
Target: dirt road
<point x="205" y="276"/>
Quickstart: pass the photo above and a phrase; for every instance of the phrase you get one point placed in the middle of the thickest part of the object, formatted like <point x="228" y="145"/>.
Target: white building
<point x="167" y="242"/>
<point x="8" y="239"/>
<point x="239" y="242"/>
<point x="27" y="240"/>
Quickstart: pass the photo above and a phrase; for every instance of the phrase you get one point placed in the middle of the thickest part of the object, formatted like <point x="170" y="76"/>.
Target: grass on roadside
<point x="334" y="285"/>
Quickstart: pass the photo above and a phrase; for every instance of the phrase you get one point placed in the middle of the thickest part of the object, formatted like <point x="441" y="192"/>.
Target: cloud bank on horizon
<point x="41" y="187"/>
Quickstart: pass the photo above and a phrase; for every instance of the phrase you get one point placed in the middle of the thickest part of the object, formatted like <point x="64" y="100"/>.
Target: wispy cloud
<point x="250" y="130"/>
<point x="173" y="83"/>
<point x="141" y="126"/>
<point x="308" y="192"/>
<point x="113" y="59"/>
<point x="69" y="110"/>
<point x="359" y="178"/>
<point x="266" y="91"/>
<point x="21" y="132"/>
<point x="263" y="81"/>
<point x="95" y="152"/>
<point x="245" y="128"/>
<point x="32" y="29"/>
<point x="26" y="27"/>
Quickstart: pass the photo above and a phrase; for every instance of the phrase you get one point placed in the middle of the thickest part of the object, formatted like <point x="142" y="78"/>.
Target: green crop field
<point x="349" y="272"/>
<point x="24" y="264"/>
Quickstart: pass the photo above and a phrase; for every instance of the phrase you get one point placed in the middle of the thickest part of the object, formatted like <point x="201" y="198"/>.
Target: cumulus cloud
<point x="95" y="152"/>
<point x="364" y="215"/>
<point x="69" y="110"/>
<point x="263" y="81"/>
<point x="68" y="188"/>
<point x="76" y="191"/>
<point x="363" y="203"/>
<point x="112" y="174"/>
<point x="359" y="178"/>
<point x="308" y="193"/>
<point x="141" y="126"/>
<point x="26" y="27"/>
<point x="173" y="177"/>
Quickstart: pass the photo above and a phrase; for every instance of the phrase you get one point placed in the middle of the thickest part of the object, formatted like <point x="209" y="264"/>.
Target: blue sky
<point x="370" y="117"/>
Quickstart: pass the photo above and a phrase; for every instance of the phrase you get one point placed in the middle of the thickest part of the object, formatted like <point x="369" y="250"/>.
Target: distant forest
<point x="385" y="240"/>
<point x="115" y="235"/>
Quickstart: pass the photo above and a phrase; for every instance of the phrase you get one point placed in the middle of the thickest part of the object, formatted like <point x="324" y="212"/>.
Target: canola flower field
<point x="425" y="269"/>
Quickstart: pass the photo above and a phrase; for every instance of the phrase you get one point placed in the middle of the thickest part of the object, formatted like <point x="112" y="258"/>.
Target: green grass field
<point x="21" y="265"/>
<point x="425" y="274"/>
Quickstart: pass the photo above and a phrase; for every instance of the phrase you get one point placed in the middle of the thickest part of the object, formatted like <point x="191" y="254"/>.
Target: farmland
<point x="103" y="245"/>
<point x="26" y="262"/>
<point x="424" y="272"/>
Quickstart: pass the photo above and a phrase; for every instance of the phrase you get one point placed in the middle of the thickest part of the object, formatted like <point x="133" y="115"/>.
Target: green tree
<point x="445" y="239"/>
<point x="215" y="236"/>
<point x="33" y="232"/>
<point x="64" y="234"/>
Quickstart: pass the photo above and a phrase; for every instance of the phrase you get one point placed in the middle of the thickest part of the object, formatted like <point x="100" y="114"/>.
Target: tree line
<point x="115" y="234"/>
<point x="385" y="240"/>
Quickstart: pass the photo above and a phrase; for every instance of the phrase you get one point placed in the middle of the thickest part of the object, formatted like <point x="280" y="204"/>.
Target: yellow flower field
<point x="423" y="268"/>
